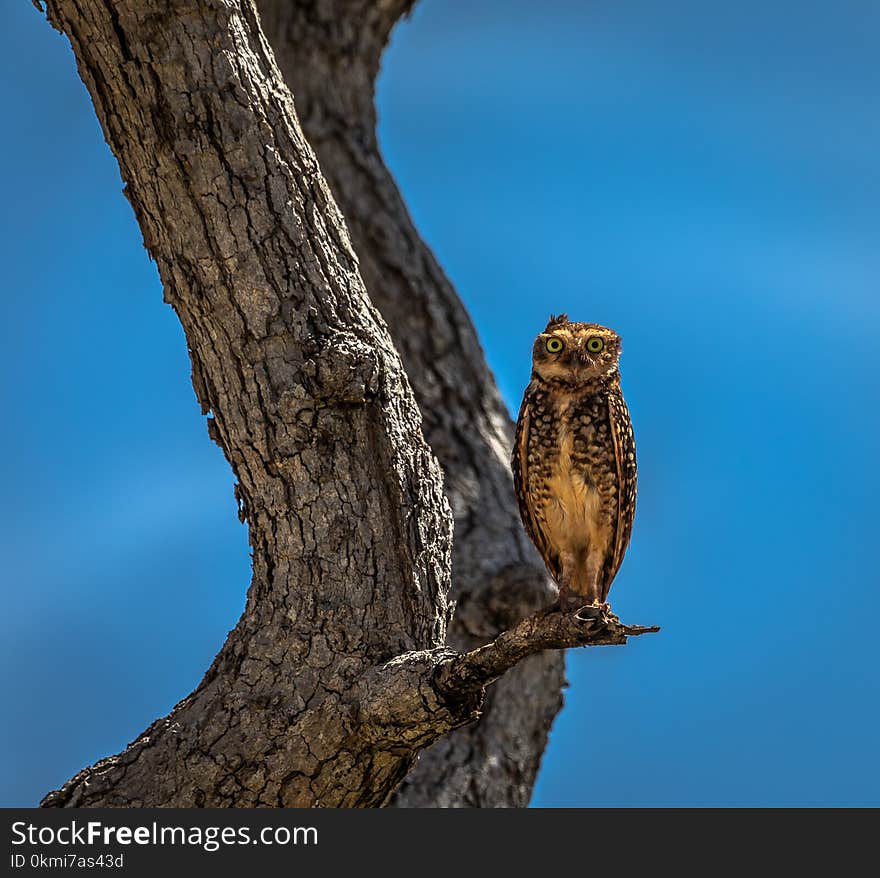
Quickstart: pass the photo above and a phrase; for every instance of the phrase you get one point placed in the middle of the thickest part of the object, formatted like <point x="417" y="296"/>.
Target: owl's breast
<point x="571" y="500"/>
<point x="577" y="495"/>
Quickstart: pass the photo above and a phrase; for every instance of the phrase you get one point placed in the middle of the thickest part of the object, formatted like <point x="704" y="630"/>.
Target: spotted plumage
<point x="574" y="460"/>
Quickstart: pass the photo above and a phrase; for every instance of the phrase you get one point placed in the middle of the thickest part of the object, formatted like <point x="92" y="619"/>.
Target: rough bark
<point x="329" y="52"/>
<point x="349" y="526"/>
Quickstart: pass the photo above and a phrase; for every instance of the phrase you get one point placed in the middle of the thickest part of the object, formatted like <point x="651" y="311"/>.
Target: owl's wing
<point x="520" y="467"/>
<point x="625" y="457"/>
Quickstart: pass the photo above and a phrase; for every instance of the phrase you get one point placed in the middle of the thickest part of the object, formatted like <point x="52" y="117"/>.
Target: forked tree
<point x="398" y="644"/>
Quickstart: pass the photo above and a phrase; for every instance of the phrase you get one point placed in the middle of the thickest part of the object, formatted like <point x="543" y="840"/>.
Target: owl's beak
<point x="584" y="357"/>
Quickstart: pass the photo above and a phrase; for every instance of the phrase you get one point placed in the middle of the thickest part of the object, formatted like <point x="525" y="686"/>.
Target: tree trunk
<point x="338" y="672"/>
<point x="329" y="52"/>
<point x="348" y="523"/>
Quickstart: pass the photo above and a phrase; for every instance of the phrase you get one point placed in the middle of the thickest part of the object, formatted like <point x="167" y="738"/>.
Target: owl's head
<point x="575" y="352"/>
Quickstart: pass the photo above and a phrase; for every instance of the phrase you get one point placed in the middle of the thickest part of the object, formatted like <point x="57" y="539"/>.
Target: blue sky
<point x="702" y="178"/>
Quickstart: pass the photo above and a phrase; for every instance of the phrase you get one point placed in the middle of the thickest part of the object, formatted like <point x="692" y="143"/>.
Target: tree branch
<point x="550" y="629"/>
<point x="416" y="698"/>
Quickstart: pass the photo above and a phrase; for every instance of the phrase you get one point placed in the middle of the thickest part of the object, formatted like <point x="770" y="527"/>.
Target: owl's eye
<point x="595" y="344"/>
<point x="554" y="345"/>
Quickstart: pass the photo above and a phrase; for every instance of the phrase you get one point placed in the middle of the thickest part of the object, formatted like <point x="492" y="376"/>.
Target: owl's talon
<point x="589" y="612"/>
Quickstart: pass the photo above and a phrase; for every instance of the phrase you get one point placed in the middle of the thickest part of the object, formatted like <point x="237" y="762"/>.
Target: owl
<point x="574" y="459"/>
